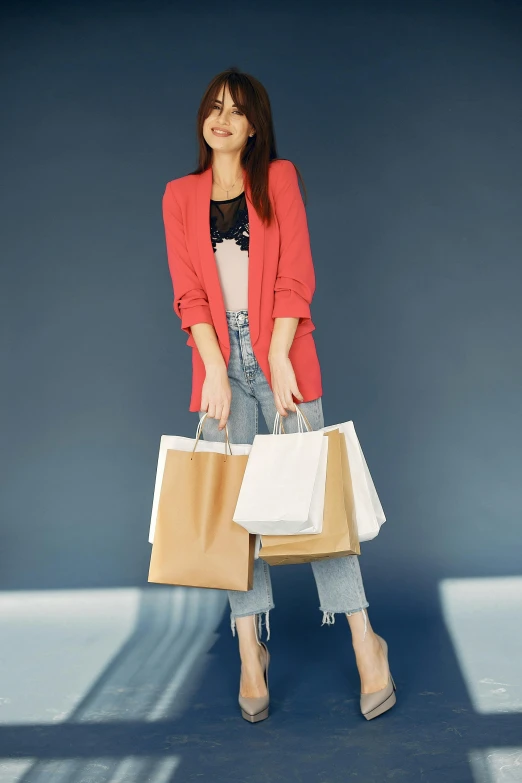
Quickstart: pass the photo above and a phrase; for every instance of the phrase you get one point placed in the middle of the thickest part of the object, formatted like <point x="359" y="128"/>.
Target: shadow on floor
<point x="165" y="709"/>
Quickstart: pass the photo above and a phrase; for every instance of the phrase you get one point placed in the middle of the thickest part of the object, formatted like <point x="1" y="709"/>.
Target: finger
<point x="287" y="401"/>
<point x="211" y="410"/>
<point x="224" y="415"/>
<point x="279" y="406"/>
<point x="281" y="398"/>
<point x="219" y="408"/>
<point x="296" y="392"/>
<point x="219" y="413"/>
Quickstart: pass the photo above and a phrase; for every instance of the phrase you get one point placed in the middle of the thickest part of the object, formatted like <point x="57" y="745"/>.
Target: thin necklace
<point x="222" y="188"/>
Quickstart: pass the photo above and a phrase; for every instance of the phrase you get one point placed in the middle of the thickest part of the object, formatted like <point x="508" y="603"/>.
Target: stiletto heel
<point x="374" y="704"/>
<point x="255" y="708"/>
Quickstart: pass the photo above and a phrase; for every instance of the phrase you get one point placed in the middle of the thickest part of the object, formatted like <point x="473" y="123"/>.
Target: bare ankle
<point x="251" y="653"/>
<point x="370" y="644"/>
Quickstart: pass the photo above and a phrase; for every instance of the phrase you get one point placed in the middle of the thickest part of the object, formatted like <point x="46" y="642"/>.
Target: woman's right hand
<point x="216" y="393"/>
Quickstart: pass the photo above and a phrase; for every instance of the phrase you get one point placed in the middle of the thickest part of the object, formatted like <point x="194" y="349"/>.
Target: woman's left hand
<point x="284" y="383"/>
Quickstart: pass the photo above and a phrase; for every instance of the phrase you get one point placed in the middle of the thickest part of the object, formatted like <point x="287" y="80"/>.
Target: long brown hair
<point x="252" y="99"/>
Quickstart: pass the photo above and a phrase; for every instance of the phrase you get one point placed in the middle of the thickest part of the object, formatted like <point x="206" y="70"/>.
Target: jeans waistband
<point x="237" y="317"/>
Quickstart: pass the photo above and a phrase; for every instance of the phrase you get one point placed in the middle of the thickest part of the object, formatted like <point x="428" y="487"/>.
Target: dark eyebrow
<point x="216" y="100"/>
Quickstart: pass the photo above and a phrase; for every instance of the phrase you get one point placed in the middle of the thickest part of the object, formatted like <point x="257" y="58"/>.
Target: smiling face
<point x="225" y="116"/>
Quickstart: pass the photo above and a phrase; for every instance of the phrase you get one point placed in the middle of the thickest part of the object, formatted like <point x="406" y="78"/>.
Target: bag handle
<point x="200" y="430"/>
<point x="278" y="422"/>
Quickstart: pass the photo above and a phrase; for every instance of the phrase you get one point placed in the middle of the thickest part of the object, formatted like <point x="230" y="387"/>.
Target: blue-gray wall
<point x="405" y="120"/>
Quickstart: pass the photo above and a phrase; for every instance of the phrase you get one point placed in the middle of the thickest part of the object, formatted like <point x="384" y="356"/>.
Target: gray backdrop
<point x="405" y="120"/>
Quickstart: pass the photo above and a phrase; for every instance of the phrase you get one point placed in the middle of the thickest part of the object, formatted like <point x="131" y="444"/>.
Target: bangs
<point x="239" y="92"/>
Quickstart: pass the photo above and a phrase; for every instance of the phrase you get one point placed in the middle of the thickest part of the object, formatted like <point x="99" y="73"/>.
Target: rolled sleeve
<point x="295" y="282"/>
<point x="288" y="301"/>
<point x="190" y="299"/>
<point x="192" y="309"/>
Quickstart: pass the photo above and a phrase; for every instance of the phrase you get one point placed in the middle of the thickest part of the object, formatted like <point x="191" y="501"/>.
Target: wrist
<point x="277" y="354"/>
<point x="215" y="365"/>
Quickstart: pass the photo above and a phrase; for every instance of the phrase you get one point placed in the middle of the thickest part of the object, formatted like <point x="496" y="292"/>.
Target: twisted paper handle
<point x="301" y="420"/>
<point x="200" y="430"/>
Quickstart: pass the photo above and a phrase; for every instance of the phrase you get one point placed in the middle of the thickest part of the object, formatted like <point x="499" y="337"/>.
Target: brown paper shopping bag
<point x="339" y="534"/>
<point x="196" y="542"/>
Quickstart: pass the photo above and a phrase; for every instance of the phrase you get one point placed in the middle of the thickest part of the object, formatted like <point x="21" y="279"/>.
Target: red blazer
<point x="281" y="279"/>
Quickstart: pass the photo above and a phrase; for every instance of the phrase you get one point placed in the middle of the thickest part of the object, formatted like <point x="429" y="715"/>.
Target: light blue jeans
<point x="338" y="580"/>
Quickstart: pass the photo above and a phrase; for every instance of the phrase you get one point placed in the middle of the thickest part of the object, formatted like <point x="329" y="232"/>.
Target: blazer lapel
<point x="206" y="255"/>
<point x="208" y="260"/>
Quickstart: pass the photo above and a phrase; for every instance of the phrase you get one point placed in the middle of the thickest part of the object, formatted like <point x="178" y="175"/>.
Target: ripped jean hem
<point x="329" y="616"/>
<point x="260" y="614"/>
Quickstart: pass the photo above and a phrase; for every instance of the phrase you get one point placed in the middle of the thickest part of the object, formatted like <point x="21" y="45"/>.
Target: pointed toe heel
<point x="374" y="704"/>
<point x="254" y="709"/>
<point x="255" y="718"/>
<point x="380" y="708"/>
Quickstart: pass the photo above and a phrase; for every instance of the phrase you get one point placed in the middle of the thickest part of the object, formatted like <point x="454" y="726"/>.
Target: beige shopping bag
<point x="196" y="542"/>
<point x="339" y="533"/>
<point x="369" y="514"/>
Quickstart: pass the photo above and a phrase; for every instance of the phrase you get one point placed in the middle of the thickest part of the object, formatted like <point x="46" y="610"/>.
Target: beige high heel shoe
<point x="374" y="704"/>
<point x="255" y="708"/>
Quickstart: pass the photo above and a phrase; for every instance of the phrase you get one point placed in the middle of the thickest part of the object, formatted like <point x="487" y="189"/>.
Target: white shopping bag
<point x="282" y="492"/>
<point x="368" y="509"/>
<point x="180" y="443"/>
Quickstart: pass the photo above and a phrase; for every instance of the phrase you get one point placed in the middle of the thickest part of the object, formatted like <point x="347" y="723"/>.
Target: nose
<point x="222" y="122"/>
<point x="223" y="114"/>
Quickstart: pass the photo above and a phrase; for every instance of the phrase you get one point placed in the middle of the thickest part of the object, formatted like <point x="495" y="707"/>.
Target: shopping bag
<point x="369" y="513"/>
<point x="282" y="492"/>
<point x="181" y="443"/>
<point x="339" y="534"/>
<point x="195" y="542"/>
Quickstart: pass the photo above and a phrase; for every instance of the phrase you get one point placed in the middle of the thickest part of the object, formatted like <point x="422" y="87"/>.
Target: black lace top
<point x="229" y="232"/>
<point x="229" y="220"/>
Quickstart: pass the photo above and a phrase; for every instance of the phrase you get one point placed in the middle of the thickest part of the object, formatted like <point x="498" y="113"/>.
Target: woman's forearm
<point x="282" y="337"/>
<point x="207" y="344"/>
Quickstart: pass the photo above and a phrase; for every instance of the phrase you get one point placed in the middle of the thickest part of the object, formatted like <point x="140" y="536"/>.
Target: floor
<point x="140" y="685"/>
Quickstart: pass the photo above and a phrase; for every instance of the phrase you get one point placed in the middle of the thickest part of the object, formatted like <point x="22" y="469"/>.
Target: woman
<point x="243" y="278"/>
